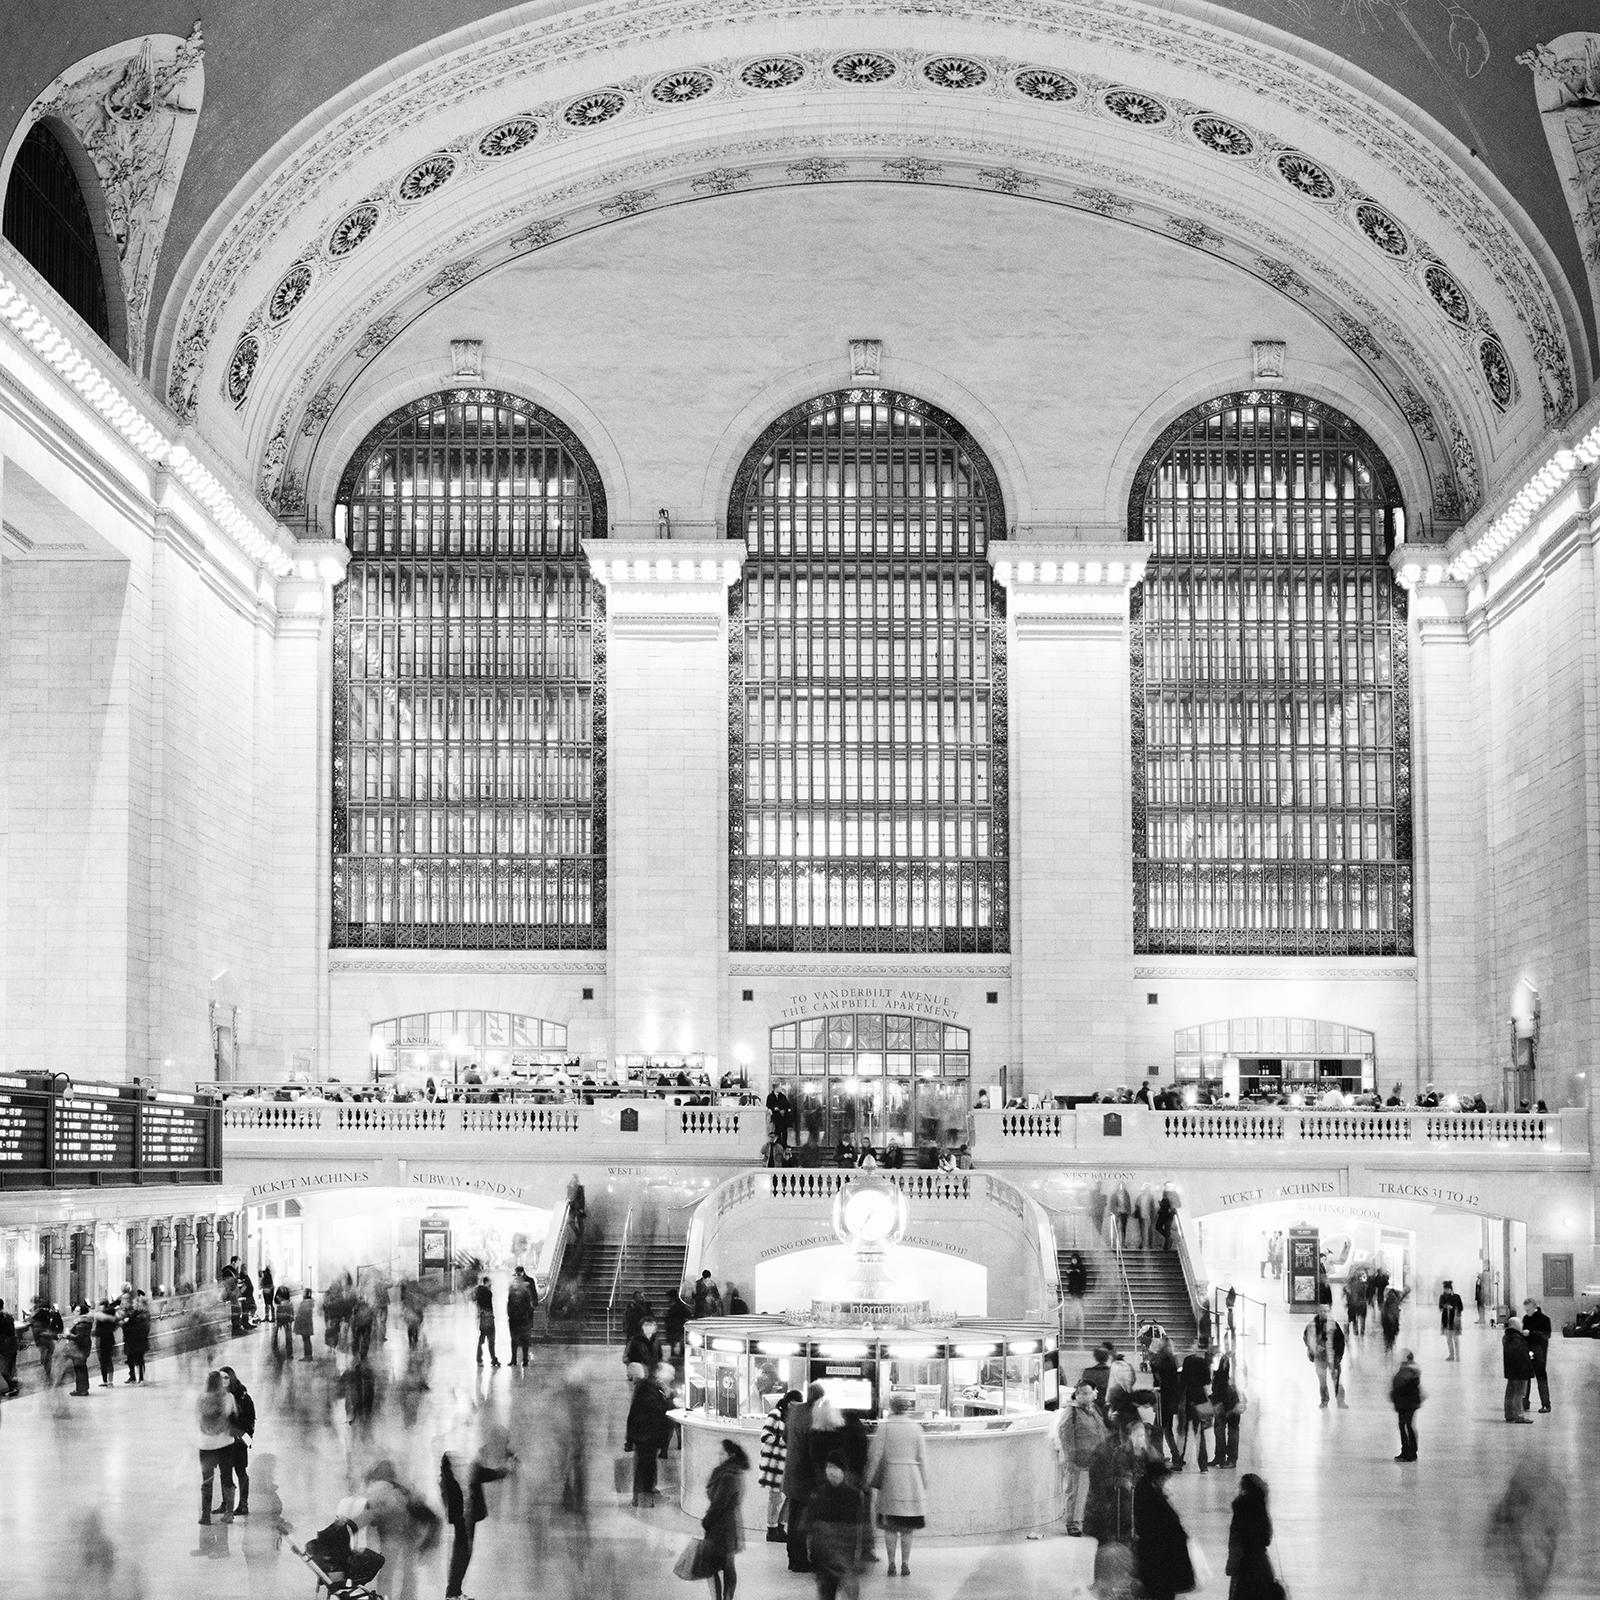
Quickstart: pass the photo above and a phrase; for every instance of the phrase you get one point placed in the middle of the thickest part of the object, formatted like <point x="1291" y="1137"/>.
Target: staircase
<point x="655" y="1267"/>
<point x="1155" y="1281"/>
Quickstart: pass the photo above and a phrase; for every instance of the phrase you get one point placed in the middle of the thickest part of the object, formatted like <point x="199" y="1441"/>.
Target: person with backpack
<point x="483" y="1299"/>
<point x="244" y="1427"/>
<point x="1079" y="1433"/>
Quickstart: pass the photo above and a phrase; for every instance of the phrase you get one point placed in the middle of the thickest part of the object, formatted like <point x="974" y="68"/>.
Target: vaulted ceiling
<point x="333" y="174"/>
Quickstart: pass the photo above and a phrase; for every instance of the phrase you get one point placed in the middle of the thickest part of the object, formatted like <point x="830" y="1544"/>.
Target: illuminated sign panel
<point x="58" y="1134"/>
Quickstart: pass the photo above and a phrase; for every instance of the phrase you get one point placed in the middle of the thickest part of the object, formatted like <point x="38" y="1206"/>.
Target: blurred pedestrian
<point x="214" y="1420"/>
<point x="1537" y="1329"/>
<point x="1160" y="1546"/>
<point x="1324" y="1342"/>
<point x="305" y="1324"/>
<point x="8" y="1352"/>
<point x="1405" y="1394"/>
<point x="483" y="1299"/>
<point x="47" y="1327"/>
<point x="774" y="1454"/>
<point x="1229" y="1404"/>
<point x="263" y="1535"/>
<point x="801" y="1475"/>
<point x="1389" y="1317"/>
<point x="462" y="1475"/>
<point x="136" y="1336"/>
<point x="1517" y="1365"/>
<point x="1451" y="1307"/>
<point x="1249" y="1534"/>
<point x="644" y="1347"/>
<point x="1115" y="1470"/>
<point x="649" y="1431"/>
<point x="105" y="1340"/>
<point x="244" y="1428"/>
<point x="1079" y="1433"/>
<point x="897" y="1468"/>
<point x="400" y="1525"/>
<point x="79" y="1342"/>
<point x="1526" y="1527"/>
<point x="722" y="1526"/>
<point x="837" y="1535"/>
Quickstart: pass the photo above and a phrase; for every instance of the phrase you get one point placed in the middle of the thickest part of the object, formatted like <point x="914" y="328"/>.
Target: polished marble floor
<point x="99" y="1497"/>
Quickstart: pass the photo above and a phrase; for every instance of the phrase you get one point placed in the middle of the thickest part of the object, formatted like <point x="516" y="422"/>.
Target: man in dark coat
<point x="1405" y="1394"/>
<point x="799" y="1475"/>
<point x="461" y="1480"/>
<point x="1160" y="1546"/>
<point x="8" y="1350"/>
<point x="1536" y="1326"/>
<point x="1517" y="1364"/>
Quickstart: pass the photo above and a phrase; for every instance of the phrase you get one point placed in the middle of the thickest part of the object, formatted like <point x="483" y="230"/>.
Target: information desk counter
<point x="985" y="1394"/>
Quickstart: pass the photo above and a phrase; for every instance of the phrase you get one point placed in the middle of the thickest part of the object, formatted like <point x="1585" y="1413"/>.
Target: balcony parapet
<point x="1100" y="1130"/>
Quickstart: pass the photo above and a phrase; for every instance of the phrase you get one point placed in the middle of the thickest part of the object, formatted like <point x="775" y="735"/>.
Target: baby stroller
<point x="1148" y="1333"/>
<point x="339" y="1568"/>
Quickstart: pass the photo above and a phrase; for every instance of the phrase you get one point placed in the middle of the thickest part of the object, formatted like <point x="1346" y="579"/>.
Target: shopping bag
<point x="1201" y="1566"/>
<point x="688" y="1564"/>
<point x="622" y="1474"/>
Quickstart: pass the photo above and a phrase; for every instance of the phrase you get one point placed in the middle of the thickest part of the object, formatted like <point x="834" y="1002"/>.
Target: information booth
<point x="985" y="1392"/>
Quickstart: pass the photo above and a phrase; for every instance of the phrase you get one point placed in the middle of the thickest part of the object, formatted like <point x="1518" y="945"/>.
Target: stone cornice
<point x="1069" y="565"/>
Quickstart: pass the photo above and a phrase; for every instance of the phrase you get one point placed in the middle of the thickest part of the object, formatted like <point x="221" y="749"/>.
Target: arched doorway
<point x="875" y="1078"/>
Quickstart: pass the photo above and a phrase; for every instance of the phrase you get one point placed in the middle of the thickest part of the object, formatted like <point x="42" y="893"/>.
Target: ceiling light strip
<point x="35" y="328"/>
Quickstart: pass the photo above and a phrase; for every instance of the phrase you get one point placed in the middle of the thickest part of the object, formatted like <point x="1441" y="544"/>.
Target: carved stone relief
<point x="1566" y="80"/>
<point x="133" y="109"/>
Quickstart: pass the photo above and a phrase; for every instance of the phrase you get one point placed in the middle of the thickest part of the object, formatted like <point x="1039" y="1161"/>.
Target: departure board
<point x="174" y="1132"/>
<point x="93" y="1131"/>
<point x="22" y="1126"/>
<point x="57" y="1133"/>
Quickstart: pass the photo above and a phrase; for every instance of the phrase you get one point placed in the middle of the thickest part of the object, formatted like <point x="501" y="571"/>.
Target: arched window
<point x="868" y="772"/>
<point x="48" y="221"/>
<point x="1271" y="741"/>
<point x="469" y="792"/>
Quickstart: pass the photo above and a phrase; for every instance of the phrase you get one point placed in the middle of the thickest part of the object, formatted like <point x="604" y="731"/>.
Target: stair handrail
<point x="616" y="1276"/>
<point x="1190" y="1282"/>
<point x="1127" y="1298"/>
<point x="558" y="1260"/>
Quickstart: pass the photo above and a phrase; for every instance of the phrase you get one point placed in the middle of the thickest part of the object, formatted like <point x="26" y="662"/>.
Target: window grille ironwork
<point x="47" y="219"/>
<point x="1271" y="714"/>
<point x="469" y="683"/>
<point x="867" y="708"/>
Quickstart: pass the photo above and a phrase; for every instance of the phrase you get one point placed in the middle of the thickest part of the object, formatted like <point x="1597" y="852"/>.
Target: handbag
<point x="1200" y="1566"/>
<point x="687" y="1564"/>
<point x="1276" y="1589"/>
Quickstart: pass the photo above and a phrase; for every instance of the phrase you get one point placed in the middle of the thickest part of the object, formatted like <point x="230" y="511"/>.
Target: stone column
<point x="184" y="1241"/>
<point x="294" y="770"/>
<point x="1071" y="806"/>
<point x="225" y="1243"/>
<point x="667" y="785"/>
<point x="55" y="1244"/>
<point x="165" y="1263"/>
<point x="205" y="1252"/>
<point x="1448" y="811"/>
<point x="139" y="1255"/>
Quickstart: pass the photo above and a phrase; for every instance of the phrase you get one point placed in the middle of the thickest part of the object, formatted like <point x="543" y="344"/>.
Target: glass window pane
<point x="1267" y="764"/>
<point x="868" y="617"/>
<point x="476" y="724"/>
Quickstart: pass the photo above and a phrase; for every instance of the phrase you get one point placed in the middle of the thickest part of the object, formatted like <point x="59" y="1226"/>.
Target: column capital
<point x="669" y="587"/>
<point x="1439" y="604"/>
<point x="663" y="566"/>
<point x="1070" y="582"/>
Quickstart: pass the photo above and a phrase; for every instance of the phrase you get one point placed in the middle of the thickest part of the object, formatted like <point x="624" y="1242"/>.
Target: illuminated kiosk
<point x="985" y="1391"/>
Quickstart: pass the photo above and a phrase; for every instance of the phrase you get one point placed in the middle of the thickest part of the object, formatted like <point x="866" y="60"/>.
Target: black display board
<point x="57" y="1133"/>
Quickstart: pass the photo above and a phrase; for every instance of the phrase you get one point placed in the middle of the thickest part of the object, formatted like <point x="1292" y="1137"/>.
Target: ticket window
<point x="850" y="1385"/>
<point x="771" y="1378"/>
<point x="923" y="1380"/>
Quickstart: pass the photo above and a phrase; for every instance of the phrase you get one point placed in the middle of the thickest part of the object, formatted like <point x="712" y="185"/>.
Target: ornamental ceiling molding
<point x="1413" y="377"/>
<point x="442" y="80"/>
<point x="868" y="966"/>
<point x="133" y="109"/>
<point x="1566" y="77"/>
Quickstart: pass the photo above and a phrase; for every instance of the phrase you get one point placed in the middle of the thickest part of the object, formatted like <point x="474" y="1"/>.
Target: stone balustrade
<point x="1099" y="1130"/>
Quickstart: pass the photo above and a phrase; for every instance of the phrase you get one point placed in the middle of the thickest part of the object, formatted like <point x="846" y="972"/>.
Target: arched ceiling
<point x="311" y="229"/>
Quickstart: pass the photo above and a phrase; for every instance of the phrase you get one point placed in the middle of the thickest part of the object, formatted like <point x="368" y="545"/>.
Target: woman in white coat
<point x="897" y="1467"/>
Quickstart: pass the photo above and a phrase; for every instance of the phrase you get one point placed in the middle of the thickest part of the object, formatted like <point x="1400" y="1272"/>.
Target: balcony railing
<point x="1102" y="1128"/>
<point x="737" y="1129"/>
